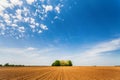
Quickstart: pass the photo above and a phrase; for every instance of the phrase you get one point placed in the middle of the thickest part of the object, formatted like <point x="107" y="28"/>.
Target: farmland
<point x="59" y="73"/>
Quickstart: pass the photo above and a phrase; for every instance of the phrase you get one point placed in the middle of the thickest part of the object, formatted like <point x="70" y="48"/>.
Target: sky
<point x="38" y="32"/>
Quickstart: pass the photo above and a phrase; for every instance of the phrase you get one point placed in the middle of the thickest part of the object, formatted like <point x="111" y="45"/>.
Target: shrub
<point x="0" y="64"/>
<point x="7" y="64"/>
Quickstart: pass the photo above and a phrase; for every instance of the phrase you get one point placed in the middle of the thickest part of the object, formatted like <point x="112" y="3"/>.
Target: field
<point x="59" y="73"/>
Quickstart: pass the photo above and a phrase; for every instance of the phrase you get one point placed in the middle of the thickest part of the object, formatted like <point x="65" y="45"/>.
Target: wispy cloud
<point x="29" y="55"/>
<point x="31" y="48"/>
<point x="26" y="51"/>
<point x="104" y="47"/>
<point x="30" y="1"/>
<point x="96" y="54"/>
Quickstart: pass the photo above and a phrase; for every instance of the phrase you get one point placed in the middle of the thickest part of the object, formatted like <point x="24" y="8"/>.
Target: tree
<point x="7" y="64"/>
<point x="53" y="64"/>
<point x="0" y="64"/>
<point x="62" y="63"/>
<point x="56" y="63"/>
<point x="70" y="63"/>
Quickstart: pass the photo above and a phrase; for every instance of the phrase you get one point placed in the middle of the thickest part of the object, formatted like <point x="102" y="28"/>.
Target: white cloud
<point x="26" y="19"/>
<point x="14" y="25"/>
<point x="29" y="55"/>
<point x="37" y="24"/>
<point x="15" y="21"/>
<point x="56" y="17"/>
<point x="44" y="27"/>
<point x="16" y="13"/>
<point x="32" y="21"/>
<point x="1" y="8"/>
<point x="21" y="51"/>
<point x="5" y="4"/>
<point x="6" y="19"/>
<point x="40" y="31"/>
<point x="32" y="26"/>
<point x="21" y="29"/>
<point x="15" y="2"/>
<point x="2" y="26"/>
<point x="98" y="54"/>
<point x="47" y="55"/>
<point x="104" y="47"/>
<point x="30" y="1"/>
<point x="6" y="16"/>
<point x="31" y="48"/>
<point x="42" y="0"/>
<point x="8" y="22"/>
<point x="5" y="50"/>
<point x="47" y="8"/>
<point x="57" y="8"/>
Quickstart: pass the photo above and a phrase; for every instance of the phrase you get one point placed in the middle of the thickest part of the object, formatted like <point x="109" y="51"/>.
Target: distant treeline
<point x="117" y="65"/>
<point x="11" y="65"/>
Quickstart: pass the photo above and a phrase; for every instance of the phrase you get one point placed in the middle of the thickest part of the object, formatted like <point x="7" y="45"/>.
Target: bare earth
<point x="59" y="73"/>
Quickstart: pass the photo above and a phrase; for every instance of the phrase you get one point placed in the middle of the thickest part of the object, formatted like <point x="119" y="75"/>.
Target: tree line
<point x="10" y="65"/>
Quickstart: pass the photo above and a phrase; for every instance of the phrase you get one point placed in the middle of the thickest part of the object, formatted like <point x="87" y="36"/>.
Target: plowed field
<point x="59" y="73"/>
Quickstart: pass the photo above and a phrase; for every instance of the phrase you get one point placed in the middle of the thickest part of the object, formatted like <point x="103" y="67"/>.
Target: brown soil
<point x="59" y="73"/>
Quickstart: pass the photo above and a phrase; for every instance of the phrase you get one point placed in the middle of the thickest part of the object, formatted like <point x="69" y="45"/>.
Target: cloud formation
<point x="17" y="17"/>
<point x="28" y="55"/>
<point x="104" y="47"/>
<point x="47" y="8"/>
<point x="96" y="54"/>
<point x="30" y="1"/>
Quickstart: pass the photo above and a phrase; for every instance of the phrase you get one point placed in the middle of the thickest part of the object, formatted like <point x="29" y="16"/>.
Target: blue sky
<point x="37" y="32"/>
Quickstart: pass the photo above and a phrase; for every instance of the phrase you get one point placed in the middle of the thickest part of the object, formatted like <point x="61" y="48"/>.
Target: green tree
<point x="7" y="64"/>
<point x="56" y="63"/>
<point x="70" y="63"/>
<point x="62" y="63"/>
<point x="0" y="64"/>
<point x="53" y="64"/>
